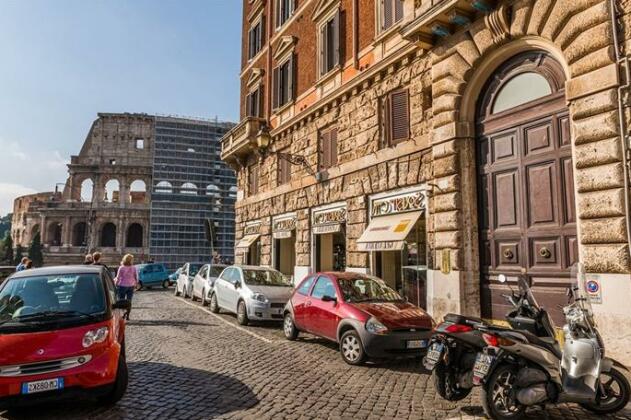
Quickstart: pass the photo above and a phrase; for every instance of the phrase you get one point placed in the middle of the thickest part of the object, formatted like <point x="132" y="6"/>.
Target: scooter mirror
<point x="501" y="278"/>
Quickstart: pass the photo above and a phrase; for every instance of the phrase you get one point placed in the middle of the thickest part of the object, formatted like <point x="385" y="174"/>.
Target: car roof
<point x="349" y="275"/>
<point x="59" y="269"/>
<point x="251" y="267"/>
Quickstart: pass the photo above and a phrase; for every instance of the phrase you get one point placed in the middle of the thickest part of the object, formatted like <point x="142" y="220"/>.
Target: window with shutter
<point x="327" y="149"/>
<point x="284" y="83"/>
<point x="254" y="103"/>
<point x="330" y="44"/>
<point x="399" y="116"/>
<point x="284" y="171"/>
<point x="284" y="10"/>
<point x="391" y="12"/>
<point x="253" y="179"/>
<point x="255" y="39"/>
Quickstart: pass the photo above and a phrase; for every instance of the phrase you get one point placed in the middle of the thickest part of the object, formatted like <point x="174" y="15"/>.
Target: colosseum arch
<point x="79" y="231"/>
<point x="108" y="235"/>
<point x="137" y="191"/>
<point x="135" y="236"/>
<point x="86" y="190"/>
<point x="111" y="192"/>
<point x="55" y="231"/>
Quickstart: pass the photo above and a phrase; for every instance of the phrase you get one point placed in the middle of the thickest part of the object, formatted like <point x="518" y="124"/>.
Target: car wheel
<point x="242" y="313"/>
<point x="120" y="384"/>
<point x="351" y="348"/>
<point x="289" y="328"/>
<point x="177" y="290"/>
<point x="193" y="297"/>
<point x="204" y="300"/>
<point x="214" y="306"/>
<point x="185" y="292"/>
<point x="165" y="284"/>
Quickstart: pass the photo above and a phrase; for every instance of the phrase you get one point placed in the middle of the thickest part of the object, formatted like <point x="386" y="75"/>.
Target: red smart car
<point x="61" y="335"/>
<point x="361" y="313"/>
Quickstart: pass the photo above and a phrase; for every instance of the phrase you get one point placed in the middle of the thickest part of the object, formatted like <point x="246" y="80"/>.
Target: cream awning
<point x="247" y="240"/>
<point x="388" y="233"/>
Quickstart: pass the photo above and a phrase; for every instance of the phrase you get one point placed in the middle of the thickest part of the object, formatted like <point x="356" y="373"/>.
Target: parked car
<point x="204" y="282"/>
<point x="253" y="293"/>
<point x="174" y="276"/>
<point x="361" y="313"/>
<point x="184" y="283"/>
<point x="150" y="275"/>
<point x="62" y="334"/>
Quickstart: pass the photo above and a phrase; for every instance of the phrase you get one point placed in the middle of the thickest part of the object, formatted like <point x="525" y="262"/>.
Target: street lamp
<point x="263" y="140"/>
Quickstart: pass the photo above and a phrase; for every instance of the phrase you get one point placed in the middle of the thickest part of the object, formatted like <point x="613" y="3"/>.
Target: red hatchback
<point x="61" y="335"/>
<point x="361" y="313"/>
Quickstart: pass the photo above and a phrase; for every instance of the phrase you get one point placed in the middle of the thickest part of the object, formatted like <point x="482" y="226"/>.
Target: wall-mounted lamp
<point x="263" y="139"/>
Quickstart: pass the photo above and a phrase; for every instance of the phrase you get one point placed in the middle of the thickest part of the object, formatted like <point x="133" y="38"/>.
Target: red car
<point x="361" y="313"/>
<point x="62" y="334"/>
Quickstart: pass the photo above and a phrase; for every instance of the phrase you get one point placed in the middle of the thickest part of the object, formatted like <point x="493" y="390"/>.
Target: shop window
<point x="284" y="82"/>
<point x="327" y="149"/>
<point x="396" y="117"/>
<point x="254" y="103"/>
<point x="390" y="13"/>
<point x="330" y="44"/>
<point x="255" y="38"/>
<point x="284" y="10"/>
<point x="331" y="252"/>
<point x="253" y="179"/>
<point x="284" y="171"/>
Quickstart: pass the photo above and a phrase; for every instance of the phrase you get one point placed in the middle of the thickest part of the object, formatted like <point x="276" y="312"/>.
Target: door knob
<point x="508" y="254"/>
<point x="545" y="252"/>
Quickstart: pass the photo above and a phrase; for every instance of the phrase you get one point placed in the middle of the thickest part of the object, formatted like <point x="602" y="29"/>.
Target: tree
<point x="19" y="253"/>
<point x="7" y="243"/>
<point x="35" y="251"/>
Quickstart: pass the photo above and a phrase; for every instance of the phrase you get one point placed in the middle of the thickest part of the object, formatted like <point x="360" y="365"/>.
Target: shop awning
<point x="388" y="233"/>
<point x="246" y="241"/>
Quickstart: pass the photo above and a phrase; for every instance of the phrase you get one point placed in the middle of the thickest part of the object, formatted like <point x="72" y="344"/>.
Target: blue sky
<point x="62" y="61"/>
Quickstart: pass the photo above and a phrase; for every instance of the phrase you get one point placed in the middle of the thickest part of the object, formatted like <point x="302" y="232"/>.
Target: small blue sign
<point x="592" y="286"/>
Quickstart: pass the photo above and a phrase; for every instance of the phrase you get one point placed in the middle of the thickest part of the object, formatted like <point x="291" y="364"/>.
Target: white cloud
<point x="8" y="193"/>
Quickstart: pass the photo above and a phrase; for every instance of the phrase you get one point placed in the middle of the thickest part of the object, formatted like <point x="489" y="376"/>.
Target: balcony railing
<point x="434" y="19"/>
<point x="241" y="140"/>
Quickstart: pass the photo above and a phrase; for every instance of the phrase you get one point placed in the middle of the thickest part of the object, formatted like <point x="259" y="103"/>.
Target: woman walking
<point x="126" y="279"/>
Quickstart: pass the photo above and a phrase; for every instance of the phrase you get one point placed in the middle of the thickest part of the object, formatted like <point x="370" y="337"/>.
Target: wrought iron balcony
<point x="240" y="141"/>
<point x="439" y="18"/>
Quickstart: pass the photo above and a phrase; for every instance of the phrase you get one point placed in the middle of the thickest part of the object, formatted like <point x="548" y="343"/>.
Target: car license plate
<point x="481" y="367"/>
<point x="42" y="386"/>
<point x="417" y="344"/>
<point x="433" y="355"/>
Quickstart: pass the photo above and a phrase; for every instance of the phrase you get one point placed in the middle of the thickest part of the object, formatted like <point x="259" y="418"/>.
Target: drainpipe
<point x="356" y="34"/>
<point x="622" y="60"/>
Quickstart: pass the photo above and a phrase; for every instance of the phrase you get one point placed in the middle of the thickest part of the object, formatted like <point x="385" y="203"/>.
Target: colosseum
<point x="105" y="204"/>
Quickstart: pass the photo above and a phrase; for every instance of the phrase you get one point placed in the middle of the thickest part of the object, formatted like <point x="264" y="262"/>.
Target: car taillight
<point x="458" y="328"/>
<point x="495" y="341"/>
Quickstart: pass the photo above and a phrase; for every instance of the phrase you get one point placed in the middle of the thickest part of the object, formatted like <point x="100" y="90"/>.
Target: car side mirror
<point x="237" y="284"/>
<point x="122" y="304"/>
<point x="327" y="298"/>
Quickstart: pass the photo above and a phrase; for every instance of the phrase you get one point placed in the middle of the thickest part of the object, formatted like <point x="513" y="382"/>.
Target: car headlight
<point x="95" y="336"/>
<point x="374" y="326"/>
<point x="260" y="297"/>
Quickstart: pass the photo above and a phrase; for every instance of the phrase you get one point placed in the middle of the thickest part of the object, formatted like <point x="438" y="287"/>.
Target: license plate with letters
<point x="433" y="355"/>
<point x="481" y="367"/>
<point x="42" y="386"/>
<point x="417" y="344"/>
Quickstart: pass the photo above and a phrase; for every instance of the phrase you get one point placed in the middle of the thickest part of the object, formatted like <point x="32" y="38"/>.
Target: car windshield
<point x="365" y="289"/>
<point x="264" y="278"/>
<point x="215" y="270"/>
<point x="44" y="298"/>
<point x="193" y="269"/>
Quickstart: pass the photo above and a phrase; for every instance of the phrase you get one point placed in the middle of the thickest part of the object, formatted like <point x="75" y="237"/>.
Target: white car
<point x="204" y="282"/>
<point x="184" y="283"/>
<point x="253" y="293"/>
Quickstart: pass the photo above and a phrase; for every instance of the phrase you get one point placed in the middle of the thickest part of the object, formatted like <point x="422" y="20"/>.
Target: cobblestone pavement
<point x="186" y="363"/>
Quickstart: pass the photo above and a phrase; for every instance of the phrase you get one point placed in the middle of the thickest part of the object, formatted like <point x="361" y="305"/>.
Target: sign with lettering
<point x="282" y="228"/>
<point x="253" y="229"/>
<point x="399" y="204"/>
<point x="380" y="246"/>
<point x="327" y="217"/>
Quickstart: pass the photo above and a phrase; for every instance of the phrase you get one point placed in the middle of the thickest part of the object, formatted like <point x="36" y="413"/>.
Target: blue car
<point x="150" y="275"/>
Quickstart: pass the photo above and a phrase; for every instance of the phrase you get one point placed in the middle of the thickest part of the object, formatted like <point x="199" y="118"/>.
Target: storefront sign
<point x="329" y="221"/>
<point x="593" y="288"/>
<point x="283" y="228"/>
<point x="399" y="204"/>
<point x="253" y="229"/>
<point x="380" y="246"/>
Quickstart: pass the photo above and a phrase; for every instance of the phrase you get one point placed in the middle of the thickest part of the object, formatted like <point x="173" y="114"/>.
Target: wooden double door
<point x="527" y="216"/>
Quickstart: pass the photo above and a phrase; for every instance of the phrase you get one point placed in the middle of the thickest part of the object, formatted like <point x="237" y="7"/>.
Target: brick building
<point x="129" y="168"/>
<point x="437" y="144"/>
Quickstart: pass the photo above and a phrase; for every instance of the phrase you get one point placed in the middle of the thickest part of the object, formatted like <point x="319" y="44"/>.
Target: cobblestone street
<point x="187" y="363"/>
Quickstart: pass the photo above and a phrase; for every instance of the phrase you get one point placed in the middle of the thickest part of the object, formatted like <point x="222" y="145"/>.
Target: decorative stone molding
<point x="498" y="23"/>
<point x="256" y="75"/>
<point x="323" y="7"/>
<point x="285" y="46"/>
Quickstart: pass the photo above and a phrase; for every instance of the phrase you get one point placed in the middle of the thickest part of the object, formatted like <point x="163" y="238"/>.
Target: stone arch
<point x="108" y="235"/>
<point x="138" y="191"/>
<point x="111" y="191"/>
<point x="86" y="190"/>
<point x="55" y="233"/>
<point x="135" y="235"/>
<point x="34" y="230"/>
<point x="79" y="233"/>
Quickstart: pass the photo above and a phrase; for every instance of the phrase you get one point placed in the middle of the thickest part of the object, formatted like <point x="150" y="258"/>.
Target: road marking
<point x="245" y="330"/>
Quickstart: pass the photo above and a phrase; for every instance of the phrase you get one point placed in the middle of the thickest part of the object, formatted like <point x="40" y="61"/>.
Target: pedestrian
<point x="28" y="265"/>
<point x="22" y="265"/>
<point x="96" y="258"/>
<point x="88" y="260"/>
<point x="126" y="279"/>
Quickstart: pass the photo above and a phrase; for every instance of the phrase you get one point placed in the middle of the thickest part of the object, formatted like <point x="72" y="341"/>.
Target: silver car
<point x="253" y="293"/>
<point x="204" y="282"/>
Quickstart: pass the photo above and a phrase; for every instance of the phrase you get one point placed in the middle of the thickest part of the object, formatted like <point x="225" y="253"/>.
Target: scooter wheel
<point x="616" y="393"/>
<point x="497" y="399"/>
<point x="446" y="383"/>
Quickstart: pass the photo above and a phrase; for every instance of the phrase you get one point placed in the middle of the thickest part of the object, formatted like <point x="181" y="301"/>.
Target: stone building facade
<point x="498" y="129"/>
<point x="106" y="202"/>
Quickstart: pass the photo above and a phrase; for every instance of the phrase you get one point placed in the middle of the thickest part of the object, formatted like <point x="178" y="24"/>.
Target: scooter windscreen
<point x="525" y="291"/>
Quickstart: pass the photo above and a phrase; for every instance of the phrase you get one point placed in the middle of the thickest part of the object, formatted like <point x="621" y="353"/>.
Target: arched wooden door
<point x="525" y="183"/>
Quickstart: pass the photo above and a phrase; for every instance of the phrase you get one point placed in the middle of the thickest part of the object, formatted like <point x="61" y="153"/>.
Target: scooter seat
<point x="548" y="343"/>
<point x="462" y="319"/>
